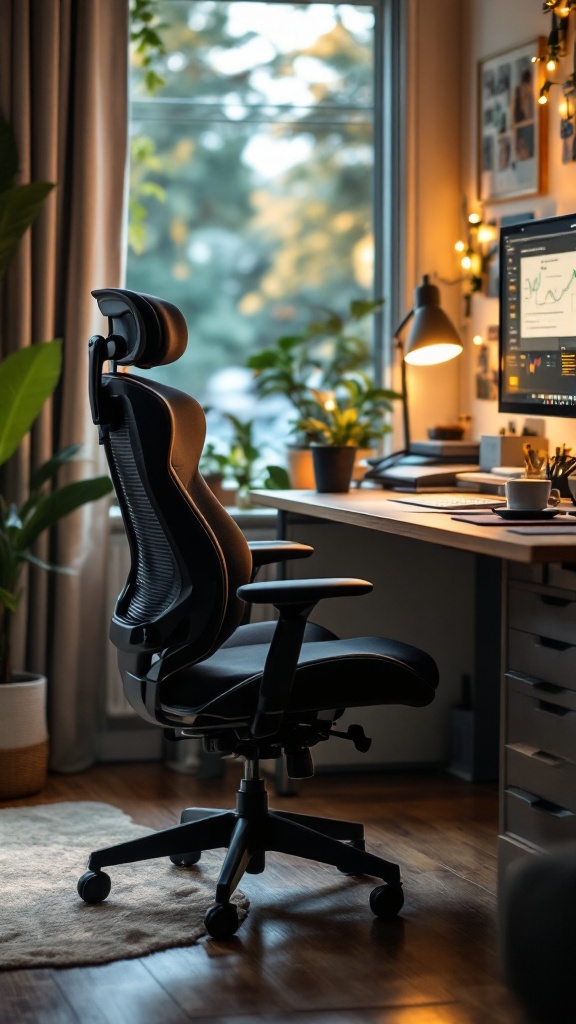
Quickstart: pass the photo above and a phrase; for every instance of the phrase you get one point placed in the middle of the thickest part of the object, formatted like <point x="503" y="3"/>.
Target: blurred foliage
<point x="146" y="42"/>
<point x="251" y="174"/>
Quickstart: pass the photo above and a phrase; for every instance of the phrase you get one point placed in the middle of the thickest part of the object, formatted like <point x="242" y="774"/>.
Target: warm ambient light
<point x="438" y="353"/>
<point x="433" y="337"/>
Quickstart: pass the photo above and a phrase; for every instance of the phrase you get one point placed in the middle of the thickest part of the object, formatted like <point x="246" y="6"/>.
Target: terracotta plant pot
<point x="300" y="469"/>
<point x="333" y="465"/>
<point x="23" y="736"/>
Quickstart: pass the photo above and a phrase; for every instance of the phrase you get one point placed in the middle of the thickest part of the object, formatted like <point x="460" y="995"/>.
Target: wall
<point x="489" y="27"/>
<point x="432" y="196"/>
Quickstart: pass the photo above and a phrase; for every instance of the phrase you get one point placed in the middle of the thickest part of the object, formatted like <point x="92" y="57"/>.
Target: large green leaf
<point x="27" y="378"/>
<point x="49" y="469"/>
<point x="19" y="207"/>
<point x="8" y="155"/>
<point x="60" y="503"/>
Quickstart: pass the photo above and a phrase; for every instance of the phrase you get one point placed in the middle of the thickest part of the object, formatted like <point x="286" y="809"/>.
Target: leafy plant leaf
<point x="63" y="501"/>
<point x="27" y="378"/>
<point x="8" y="599"/>
<point x="19" y="207"/>
<point x="49" y="469"/>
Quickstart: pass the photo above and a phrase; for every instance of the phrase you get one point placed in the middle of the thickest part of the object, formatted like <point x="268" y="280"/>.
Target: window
<point x="251" y="185"/>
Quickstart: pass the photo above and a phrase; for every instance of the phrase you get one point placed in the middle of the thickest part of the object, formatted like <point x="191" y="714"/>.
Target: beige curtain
<point x="63" y="88"/>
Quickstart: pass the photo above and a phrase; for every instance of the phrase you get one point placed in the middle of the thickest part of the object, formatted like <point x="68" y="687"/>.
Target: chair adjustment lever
<point x="356" y="733"/>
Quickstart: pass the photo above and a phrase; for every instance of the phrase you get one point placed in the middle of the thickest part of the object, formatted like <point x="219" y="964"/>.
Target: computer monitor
<point x="537" y="364"/>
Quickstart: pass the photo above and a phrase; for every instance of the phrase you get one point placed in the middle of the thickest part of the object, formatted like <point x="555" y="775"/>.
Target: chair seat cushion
<point x="361" y="672"/>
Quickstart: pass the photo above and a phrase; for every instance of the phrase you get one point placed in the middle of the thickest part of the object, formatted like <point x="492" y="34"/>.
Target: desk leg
<point x="475" y="725"/>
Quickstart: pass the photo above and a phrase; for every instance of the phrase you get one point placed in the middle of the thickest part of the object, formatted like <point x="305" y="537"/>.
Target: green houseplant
<point x="330" y="353"/>
<point x="242" y="463"/>
<point x="27" y="378"/>
<point x="351" y="417"/>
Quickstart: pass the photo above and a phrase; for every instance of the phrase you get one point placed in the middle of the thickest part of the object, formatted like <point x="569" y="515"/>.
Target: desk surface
<point x="374" y="510"/>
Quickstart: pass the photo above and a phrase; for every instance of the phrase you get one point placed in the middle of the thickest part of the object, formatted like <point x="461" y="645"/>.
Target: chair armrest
<point x="285" y="593"/>
<point x="264" y="552"/>
<point x="294" y="599"/>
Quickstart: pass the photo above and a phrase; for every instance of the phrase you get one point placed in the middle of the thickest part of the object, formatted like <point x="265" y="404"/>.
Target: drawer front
<point x="529" y="573"/>
<point x="545" y="775"/>
<point x="541" y="613"/>
<point x="543" y="720"/>
<point x="541" y="657"/>
<point x="536" y="821"/>
<point x="559" y="574"/>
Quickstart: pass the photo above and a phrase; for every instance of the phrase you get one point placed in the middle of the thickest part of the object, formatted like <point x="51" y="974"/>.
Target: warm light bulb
<point x="460" y="246"/>
<point x="329" y="405"/>
<point x="551" y="65"/>
<point x="563" y="11"/>
<point x="431" y="354"/>
<point x="477" y="339"/>
<point x="543" y="100"/>
<point x="474" y="218"/>
<point x="486" y="233"/>
<point x="535" y="60"/>
<point x="466" y="263"/>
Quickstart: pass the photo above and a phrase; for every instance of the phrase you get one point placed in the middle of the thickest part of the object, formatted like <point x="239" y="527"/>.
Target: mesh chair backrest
<point x="188" y="557"/>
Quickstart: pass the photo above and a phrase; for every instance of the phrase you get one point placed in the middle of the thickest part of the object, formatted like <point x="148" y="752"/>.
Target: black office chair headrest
<point x="149" y="331"/>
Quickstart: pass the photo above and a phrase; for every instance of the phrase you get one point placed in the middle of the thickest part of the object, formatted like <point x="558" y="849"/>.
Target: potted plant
<point x="327" y="350"/>
<point x="241" y="465"/>
<point x="27" y="378"/>
<point x="349" y="418"/>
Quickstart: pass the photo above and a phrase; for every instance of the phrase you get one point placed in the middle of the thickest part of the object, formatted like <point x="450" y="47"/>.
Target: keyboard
<point x="452" y="502"/>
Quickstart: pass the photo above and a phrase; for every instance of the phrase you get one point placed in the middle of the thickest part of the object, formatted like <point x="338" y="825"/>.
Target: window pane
<point x="251" y="178"/>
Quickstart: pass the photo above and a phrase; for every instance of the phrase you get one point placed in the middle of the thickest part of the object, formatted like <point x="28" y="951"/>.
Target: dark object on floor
<point x="539" y="937"/>
<point x="256" y="690"/>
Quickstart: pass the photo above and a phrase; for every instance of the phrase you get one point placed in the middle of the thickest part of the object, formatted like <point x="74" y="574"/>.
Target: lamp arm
<point x="403" y="381"/>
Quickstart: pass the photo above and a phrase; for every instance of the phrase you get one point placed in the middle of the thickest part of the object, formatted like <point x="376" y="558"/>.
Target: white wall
<point x="490" y="27"/>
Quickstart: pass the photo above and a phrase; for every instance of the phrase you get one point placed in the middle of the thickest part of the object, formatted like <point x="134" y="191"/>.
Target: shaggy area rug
<point x="43" y="922"/>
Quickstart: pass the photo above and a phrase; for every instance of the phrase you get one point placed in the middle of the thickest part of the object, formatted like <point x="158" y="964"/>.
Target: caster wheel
<point x="94" y="886"/>
<point x="386" y="901"/>
<point x="185" y="860"/>
<point x="221" y="920"/>
<point x="356" y="844"/>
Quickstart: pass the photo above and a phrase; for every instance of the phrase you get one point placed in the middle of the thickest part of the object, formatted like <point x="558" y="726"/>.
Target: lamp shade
<point x="433" y="337"/>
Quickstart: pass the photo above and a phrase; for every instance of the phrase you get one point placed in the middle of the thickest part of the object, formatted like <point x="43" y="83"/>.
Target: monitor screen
<point x="538" y="317"/>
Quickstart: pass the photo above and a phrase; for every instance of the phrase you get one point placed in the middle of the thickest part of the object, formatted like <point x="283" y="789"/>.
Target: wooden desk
<point x="532" y="603"/>
<point x="377" y="510"/>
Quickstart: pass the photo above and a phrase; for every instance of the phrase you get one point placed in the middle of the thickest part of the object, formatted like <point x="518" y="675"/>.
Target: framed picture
<point x="511" y="125"/>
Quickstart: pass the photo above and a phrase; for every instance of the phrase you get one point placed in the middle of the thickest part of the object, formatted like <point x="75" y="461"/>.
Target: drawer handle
<point x="547" y="759"/>
<point x="555" y="645"/>
<point x="557" y="602"/>
<point x="535" y="754"/>
<point x="552" y="709"/>
<point x="537" y="803"/>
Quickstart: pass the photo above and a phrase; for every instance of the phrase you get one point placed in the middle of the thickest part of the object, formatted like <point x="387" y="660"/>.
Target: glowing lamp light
<point x="474" y="218"/>
<point x="477" y="339"/>
<point x="460" y="246"/>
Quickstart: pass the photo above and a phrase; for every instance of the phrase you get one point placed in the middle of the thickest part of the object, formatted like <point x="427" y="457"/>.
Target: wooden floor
<point x="310" y="949"/>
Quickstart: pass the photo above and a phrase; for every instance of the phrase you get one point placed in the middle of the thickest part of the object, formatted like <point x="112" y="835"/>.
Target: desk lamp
<point x="432" y="339"/>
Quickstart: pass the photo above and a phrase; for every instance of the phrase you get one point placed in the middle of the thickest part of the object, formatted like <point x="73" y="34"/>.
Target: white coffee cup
<point x="527" y="494"/>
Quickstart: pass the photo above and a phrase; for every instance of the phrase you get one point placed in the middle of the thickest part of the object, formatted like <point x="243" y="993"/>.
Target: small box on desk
<point x="507" y="449"/>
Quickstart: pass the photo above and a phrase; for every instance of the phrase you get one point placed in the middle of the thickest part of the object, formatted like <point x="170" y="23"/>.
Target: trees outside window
<point x="251" y="181"/>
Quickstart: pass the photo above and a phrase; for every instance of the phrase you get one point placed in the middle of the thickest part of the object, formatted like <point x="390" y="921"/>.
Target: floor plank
<point x="310" y="950"/>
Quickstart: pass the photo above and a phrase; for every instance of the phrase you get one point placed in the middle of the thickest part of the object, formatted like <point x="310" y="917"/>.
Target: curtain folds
<point x="63" y="88"/>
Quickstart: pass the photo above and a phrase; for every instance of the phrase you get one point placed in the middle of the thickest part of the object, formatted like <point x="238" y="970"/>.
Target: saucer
<point x="527" y="513"/>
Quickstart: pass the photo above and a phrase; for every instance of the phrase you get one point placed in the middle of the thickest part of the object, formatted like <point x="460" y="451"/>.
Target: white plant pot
<point x="23" y="736"/>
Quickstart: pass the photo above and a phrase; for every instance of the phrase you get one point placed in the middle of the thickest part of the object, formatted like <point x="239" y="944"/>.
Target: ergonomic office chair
<point x="260" y="690"/>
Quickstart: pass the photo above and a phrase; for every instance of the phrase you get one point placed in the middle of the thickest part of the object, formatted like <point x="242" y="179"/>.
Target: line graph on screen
<point x="548" y="297"/>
